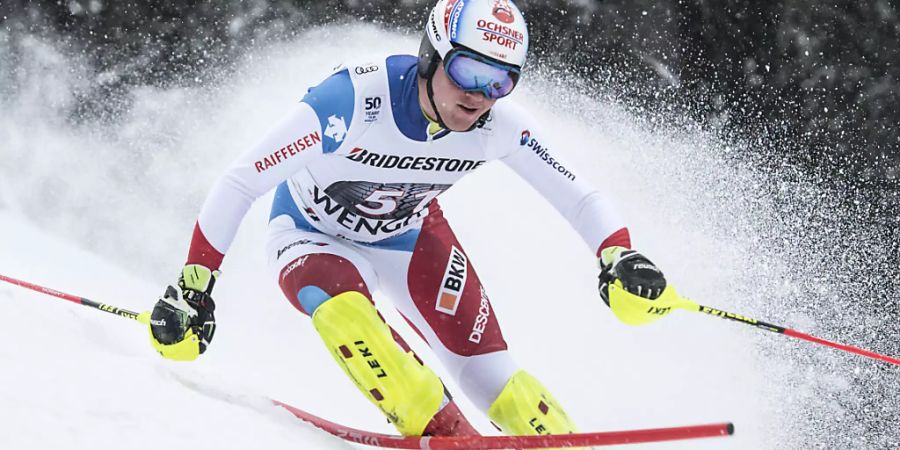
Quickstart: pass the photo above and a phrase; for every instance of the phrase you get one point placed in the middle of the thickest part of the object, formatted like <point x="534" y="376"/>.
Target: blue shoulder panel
<point x="404" y="86"/>
<point x="333" y="102"/>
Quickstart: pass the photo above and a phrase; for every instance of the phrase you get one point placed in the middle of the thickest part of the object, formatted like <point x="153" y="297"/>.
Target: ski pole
<point x="685" y="303"/>
<point x="143" y="317"/>
<point x="690" y="305"/>
<point x="438" y="442"/>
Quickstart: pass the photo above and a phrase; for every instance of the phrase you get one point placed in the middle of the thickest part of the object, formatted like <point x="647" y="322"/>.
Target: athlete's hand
<point x="634" y="288"/>
<point x="182" y="323"/>
<point x="637" y="274"/>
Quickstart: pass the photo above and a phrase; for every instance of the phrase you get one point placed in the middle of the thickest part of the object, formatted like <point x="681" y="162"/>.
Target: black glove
<point x="638" y="274"/>
<point x="182" y="323"/>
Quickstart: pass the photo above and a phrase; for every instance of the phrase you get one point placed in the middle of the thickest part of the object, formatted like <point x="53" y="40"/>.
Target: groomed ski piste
<point x="105" y="212"/>
<point x="77" y="378"/>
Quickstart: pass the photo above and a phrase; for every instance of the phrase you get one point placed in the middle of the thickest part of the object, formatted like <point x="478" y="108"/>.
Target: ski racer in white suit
<point x="357" y="166"/>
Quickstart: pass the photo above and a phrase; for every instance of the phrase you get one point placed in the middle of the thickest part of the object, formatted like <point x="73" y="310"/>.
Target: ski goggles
<point x="473" y="72"/>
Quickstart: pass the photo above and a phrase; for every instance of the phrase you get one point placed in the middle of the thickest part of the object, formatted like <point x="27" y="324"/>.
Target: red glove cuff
<point x="620" y="238"/>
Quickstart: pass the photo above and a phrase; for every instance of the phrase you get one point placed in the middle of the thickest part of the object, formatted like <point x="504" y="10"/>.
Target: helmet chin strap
<point x="429" y="88"/>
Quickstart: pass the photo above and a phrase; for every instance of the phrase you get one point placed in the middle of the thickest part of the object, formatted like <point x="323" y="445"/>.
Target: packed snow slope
<point x="79" y="378"/>
<point x="103" y="207"/>
<point x="76" y="378"/>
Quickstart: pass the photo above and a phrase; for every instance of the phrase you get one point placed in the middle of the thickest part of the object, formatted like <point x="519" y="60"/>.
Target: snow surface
<point x="104" y="210"/>
<point x="78" y="378"/>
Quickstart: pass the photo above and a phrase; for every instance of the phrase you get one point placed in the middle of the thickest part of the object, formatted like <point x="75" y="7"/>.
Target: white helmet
<point x="494" y="29"/>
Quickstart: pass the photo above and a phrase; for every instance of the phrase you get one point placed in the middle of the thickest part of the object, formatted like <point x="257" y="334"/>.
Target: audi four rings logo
<point x="362" y="70"/>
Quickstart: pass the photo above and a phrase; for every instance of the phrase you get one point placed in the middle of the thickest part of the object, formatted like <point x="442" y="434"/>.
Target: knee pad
<point x="408" y="393"/>
<point x="311" y="297"/>
<point x="525" y="407"/>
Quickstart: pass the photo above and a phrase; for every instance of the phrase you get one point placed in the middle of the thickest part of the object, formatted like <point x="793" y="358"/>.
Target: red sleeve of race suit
<point x="202" y="252"/>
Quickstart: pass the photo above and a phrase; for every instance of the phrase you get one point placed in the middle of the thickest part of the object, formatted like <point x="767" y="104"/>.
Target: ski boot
<point x="525" y="407"/>
<point x="410" y="395"/>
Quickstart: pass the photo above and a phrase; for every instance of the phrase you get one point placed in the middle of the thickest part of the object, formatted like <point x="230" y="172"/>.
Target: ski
<point x="519" y="442"/>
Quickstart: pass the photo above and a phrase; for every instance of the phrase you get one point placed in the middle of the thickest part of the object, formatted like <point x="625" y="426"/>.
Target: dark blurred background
<point x="816" y="82"/>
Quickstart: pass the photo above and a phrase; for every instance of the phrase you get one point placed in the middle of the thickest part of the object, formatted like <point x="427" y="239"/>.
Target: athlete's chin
<point x="462" y="121"/>
<point x="459" y="126"/>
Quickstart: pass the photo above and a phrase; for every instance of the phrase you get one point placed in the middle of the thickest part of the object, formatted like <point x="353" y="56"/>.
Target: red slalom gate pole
<point x="518" y="442"/>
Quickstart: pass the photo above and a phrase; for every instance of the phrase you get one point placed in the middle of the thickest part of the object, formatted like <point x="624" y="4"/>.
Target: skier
<point x="357" y="166"/>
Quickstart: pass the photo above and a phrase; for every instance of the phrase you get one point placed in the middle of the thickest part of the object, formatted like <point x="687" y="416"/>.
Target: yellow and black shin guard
<point x="525" y="407"/>
<point x="406" y="391"/>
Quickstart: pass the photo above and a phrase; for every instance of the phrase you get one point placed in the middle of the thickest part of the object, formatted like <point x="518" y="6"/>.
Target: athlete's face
<point x="459" y="109"/>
